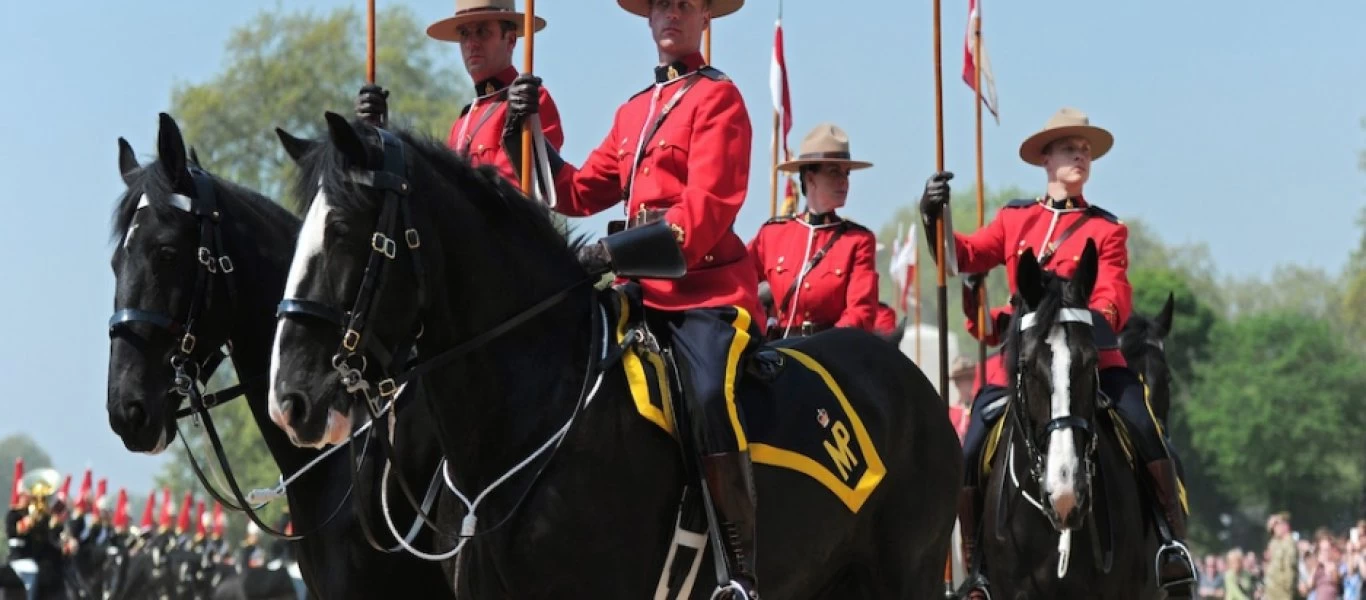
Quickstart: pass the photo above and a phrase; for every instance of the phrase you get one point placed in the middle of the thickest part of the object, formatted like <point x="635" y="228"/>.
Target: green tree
<point x="1354" y="292"/>
<point x="1280" y="415"/>
<point x="12" y="447"/>
<point x="1290" y="287"/>
<point x="284" y="69"/>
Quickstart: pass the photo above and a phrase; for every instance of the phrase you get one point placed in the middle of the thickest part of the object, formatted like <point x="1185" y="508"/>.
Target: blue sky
<point x="1237" y="124"/>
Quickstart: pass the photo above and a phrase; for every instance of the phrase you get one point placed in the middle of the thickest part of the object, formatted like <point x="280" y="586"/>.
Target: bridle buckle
<point x="384" y="245"/>
<point x="351" y="340"/>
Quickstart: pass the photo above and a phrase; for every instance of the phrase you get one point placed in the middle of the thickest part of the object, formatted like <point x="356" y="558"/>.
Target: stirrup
<point x="975" y="581"/>
<point x="733" y="590"/>
<point x="1184" y="553"/>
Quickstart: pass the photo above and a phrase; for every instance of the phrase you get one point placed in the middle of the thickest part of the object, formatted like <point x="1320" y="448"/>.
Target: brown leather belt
<point x="645" y="216"/>
<point x="798" y="330"/>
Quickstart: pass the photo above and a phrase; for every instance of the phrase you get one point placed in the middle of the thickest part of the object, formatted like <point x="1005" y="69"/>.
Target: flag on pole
<point x="988" y="93"/>
<point x="777" y="81"/>
<point x="903" y="265"/>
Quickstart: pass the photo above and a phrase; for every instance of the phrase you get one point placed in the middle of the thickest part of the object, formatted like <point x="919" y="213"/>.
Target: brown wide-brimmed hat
<point x="826" y="144"/>
<point x="1067" y="122"/>
<point x="471" y="11"/>
<point x="719" y="8"/>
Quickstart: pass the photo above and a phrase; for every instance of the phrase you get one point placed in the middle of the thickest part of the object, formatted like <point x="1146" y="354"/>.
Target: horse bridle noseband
<point x="190" y="373"/>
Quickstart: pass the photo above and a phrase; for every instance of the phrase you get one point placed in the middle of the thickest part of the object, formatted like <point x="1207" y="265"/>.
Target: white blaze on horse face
<point x="310" y="244"/>
<point x="1060" y="481"/>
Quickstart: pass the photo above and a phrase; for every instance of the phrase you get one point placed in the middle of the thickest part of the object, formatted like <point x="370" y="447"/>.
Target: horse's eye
<point x="166" y="253"/>
<point x="338" y="229"/>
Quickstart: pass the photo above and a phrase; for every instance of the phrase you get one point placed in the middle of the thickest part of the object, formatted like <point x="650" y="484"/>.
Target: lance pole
<point x="939" y="240"/>
<point x="370" y="41"/>
<point x="981" y="193"/>
<point x="528" y="64"/>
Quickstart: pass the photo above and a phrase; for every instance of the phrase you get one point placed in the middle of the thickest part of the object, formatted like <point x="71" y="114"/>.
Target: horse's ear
<point x="296" y="148"/>
<point x="1084" y="279"/>
<point x="347" y="139"/>
<point x="171" y="151"/>
<point x="1164" y="318"/>
<point x="128" y="162"/>
<point x="194" y="158"/>
<point x="1029" y="278"/>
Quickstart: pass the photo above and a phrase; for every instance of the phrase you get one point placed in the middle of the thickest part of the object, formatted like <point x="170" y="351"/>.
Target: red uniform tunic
<point x="478" y="132"/>
<point x="695" y="168"/>
<point x="840" y="291"/>
<point x="885" y="323"/>
<point x="1032" y="224"/>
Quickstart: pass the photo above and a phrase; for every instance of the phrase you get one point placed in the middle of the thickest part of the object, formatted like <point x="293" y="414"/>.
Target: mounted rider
<point x="487" y="31"/>
<point x="678" y="157"/>
<point x="823" y="265"/>
<point x="1056" y="227"/>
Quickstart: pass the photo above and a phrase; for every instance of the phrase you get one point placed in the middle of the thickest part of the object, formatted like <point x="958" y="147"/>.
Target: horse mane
<point x="492" y="195"/>
<point x="151" y="180"/>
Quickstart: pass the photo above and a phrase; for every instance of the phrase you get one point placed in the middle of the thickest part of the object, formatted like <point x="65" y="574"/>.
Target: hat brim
<point x="719" y="8"/>
<point x="792" y="166"/>
<point x="447" y="29"/>
<point x="1031" y="151"/>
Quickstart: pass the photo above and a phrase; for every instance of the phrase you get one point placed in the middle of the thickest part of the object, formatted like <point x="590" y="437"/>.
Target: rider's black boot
<point x="730" y="482"/>
<point x="1175" y="568"/>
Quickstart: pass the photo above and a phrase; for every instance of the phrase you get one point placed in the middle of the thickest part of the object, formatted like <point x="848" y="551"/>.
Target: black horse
<point x="1142" y="341"/>
<point x="176" y="228"/>
<point x="592" y="515"/>
<point x="1064" y="516"/>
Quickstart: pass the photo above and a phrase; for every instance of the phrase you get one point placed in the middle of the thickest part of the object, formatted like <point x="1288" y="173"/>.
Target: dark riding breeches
<point x="1118" y="383"/>
<point x="709" y="344"/>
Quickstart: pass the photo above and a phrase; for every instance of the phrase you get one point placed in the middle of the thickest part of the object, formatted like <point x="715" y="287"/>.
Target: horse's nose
<point x="130" y="419"/>
<point x="293" y="410"/>
<point x="1064" y="504"/>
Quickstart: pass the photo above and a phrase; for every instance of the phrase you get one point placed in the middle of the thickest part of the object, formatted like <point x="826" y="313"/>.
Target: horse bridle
<point x="350" y="361"/>
<point x="1036" y="444"/>
<point x="189" y="373"/>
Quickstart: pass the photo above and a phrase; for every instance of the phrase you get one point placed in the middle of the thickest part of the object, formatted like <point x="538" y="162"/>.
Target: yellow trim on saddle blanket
<point x="648" y="379"/>
<point x="854" y="496"/>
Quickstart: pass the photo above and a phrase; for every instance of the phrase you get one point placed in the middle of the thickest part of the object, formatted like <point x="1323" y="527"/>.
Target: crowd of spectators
<point x="1321" y="566"/>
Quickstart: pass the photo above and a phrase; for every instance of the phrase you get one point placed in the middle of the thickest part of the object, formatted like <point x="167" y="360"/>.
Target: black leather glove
<point x="524" y="100"/>
<point x="372" y="105"/>
<point x="595" y="258"/>
<point x="936" y="195"/>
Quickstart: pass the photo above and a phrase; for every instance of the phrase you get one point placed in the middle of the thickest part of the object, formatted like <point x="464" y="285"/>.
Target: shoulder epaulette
<point x="855" y="226"/>
<point x="1104" y="214"/>
<point x="777" y="220"/>
<point x="1021" y="203"/>
<point x="713" y="73"/>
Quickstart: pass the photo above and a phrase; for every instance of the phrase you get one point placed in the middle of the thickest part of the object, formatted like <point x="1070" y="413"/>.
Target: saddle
<point x="796" y="415"/>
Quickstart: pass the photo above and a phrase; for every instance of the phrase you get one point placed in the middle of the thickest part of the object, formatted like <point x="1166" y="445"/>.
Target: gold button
<point x="806" y="313"/>
<point x="1076" y="259"/>
<point x="708" y="258"/>
<point x="779" y="269"/>
<point x="661" y="143"/>
<point x="780" y="260"/>
<point x="837" y="271"/>
<point x="1020" y="253"/>
<point x="481" y="147"/>
<point x="807" y="285"/>
<point x="647" y="171"/>
<point x="621" y="152"/>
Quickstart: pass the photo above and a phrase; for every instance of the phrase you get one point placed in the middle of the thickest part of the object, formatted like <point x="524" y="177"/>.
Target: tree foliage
<point x="1280" y="415"/>
<point x="284" y="69"/>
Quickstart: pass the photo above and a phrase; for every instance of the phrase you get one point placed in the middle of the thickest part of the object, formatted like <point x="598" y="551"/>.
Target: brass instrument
<point x="41" y="485"/>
